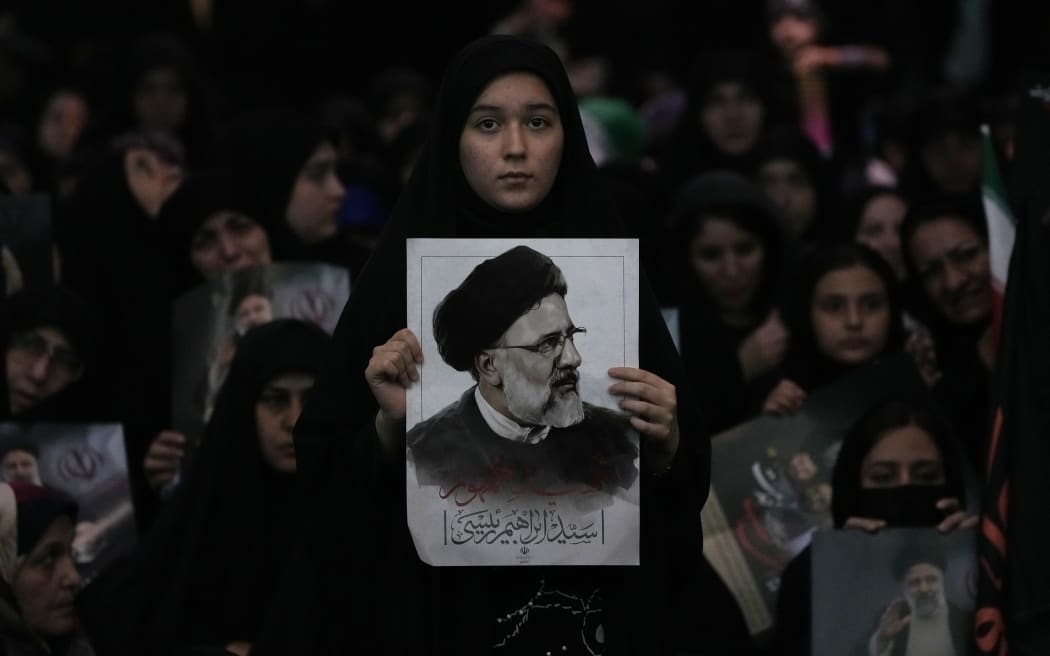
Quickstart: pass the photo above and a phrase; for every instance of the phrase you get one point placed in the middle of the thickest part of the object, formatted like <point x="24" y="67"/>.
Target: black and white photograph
<point x="209" y="321"/>
<point x="914" y="593"/>
<point x="771" y="489"/>
<point x="516" y="453"/>
<point x="88" y="463"/>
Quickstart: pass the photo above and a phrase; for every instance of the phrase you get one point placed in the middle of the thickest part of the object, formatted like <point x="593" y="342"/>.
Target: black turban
<point x="474" y="315"/>
<point x="923" y="550"/>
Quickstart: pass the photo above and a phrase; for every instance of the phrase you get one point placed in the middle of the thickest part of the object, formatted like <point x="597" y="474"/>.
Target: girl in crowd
<point x="207" y="570"/>
<point x="38" y="577"/>
<point x="844" y="313"/>
<point x="505" y="102"/>
<point x="872" y="215"/>
<point x="729" y="266"/>
<point x="898" y="466"/>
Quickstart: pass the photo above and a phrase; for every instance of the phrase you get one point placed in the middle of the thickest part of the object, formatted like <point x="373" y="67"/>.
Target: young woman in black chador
<point x="505" y="104"/>
<point x="204" y="575"/>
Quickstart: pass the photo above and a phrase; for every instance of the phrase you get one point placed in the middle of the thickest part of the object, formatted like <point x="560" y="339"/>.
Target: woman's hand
<point x="393" y="368"/>
<point x="786" y="398"/>
<point x="163" y="458"/>
<point x="653" y="404"/>
<point x="957" y="517"/>
<point x="764" y="348"/>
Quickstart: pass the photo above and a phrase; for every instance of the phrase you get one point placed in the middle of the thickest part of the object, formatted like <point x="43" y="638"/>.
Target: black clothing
<point x="207" y="570"/>
<point x="457" y="446"/>
<point x="375" y="593"/>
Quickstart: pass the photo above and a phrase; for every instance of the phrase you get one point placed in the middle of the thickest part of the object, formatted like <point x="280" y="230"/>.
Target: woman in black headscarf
<point x="285" y="160"/>
<point x="844" y="313"/>
<point x="370" y="590"/>
<point x="898" y="466"/>
<point x="729" y="264"/>
<point x="205" y="573"/>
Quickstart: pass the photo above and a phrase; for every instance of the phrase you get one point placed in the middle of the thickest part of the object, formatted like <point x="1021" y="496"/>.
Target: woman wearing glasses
<point x="50" y="337"/>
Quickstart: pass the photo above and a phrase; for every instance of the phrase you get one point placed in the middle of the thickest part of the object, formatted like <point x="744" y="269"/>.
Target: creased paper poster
<point x="901" y="591"/>
<point x="516" y="453"/>
<point x="88" y="462"/>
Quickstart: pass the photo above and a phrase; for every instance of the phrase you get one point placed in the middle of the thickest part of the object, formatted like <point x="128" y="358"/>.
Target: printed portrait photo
<point x="512" y="416"/>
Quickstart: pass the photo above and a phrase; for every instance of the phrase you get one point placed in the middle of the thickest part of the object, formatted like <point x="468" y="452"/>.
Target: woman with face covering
<point x="286" y="162"/>
<point x="898" y="466"/>
<point x="38" y="577"/>
<point x="844" y="313"/>
<point x="505" y="105"/>
<point x="205" y="573"/>
<point x="728" y="267"/>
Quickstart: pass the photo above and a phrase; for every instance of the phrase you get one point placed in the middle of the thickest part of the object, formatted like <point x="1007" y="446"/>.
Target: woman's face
<point x="63" y="120"/>
<point x="792" y="190"/>
<point x="228" y="241"/>
<point x="253" y="310"/>
<point x="276" y="411"/>
<point x="728" y="260"/>
<point x="150" y="179"/>
<point x="732" y="117"/>
<point x="879" y="228"/>
<point x="951" y="262"/>
<point x="313" y="208"/>
<point x="160" y="100"/>
<point x="46" y="584"/>
<point x="902" y="456"/>
<point x="850" y="312"/>
<point x="790" y="33"/>
<point x="510" y="148"/>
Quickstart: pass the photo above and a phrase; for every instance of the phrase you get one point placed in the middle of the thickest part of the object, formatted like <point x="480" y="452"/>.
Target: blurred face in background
<point x="951" y="262"/>
<point x="21" y="466"/>
<point x="879" y="228"/>
<point x="791" y="188"/>
<point x="63" y="120"/>
<point x="160" y="100"/>
<point x="276" y="411"/>
<point x="729" y="262"/>
<point x="313" y="208"/>
<point x="228" y="241"/>
<point x="46" y="583"/>
<point x="732" y="117"/>
<point x="150" y="178"/>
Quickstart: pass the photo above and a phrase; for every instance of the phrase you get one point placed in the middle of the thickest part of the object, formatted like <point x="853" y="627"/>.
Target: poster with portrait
<point x="88" y="462"/>
<point x="900" y="591"/>
<point x="516" y="452"/>
<point x="25" y="234"/>
<point x="771" y="482"/>
<point x="210" y="319"/>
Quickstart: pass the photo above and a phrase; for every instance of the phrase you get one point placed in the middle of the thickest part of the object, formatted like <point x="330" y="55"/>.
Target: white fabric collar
<point x="506" y="427"/>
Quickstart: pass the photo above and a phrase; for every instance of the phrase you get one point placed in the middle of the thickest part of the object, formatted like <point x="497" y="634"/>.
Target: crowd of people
<point x="805" y="190"/>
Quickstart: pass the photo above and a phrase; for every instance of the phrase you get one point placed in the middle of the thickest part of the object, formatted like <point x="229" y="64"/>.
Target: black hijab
<point x="336" y="441"/>
<point x="207" y="570"/>
<point x="804" y="362"/>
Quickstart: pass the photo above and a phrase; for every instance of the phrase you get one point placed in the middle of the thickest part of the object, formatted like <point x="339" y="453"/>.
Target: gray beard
<point x="927" y="605"/>
<point x="540" y="405"/>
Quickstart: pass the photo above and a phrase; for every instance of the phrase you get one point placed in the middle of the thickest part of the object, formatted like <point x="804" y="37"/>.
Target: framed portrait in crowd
<point x="516" y="452"/>
<point x="88" y="462"/>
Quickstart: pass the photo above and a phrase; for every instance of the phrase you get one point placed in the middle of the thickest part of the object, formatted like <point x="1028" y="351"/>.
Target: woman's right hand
<point x="163" y="458"/>
<point x="785" y="399"/>
<point x="393" y="368"/>
<point x="764" y="348"/>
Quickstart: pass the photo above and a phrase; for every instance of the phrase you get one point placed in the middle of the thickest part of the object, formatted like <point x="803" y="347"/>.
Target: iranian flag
<point x="1001" y="226"/>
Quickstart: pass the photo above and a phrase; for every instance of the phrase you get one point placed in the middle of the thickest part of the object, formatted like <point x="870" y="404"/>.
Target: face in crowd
<point x="46" y="583"/>
<point x="40" y="364"/>
<point x="276" y="412"/>
<point x="226" y="242"/>
<point x="850" y="312"/>
<point x="511" y="146"/>
<point x="729" y="261"/>
<point x="317" y="193"/>
<point x="952" y="265"/>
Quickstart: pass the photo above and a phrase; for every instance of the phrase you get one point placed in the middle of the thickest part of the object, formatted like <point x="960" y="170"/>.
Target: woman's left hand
<point x="653" y="404"/>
